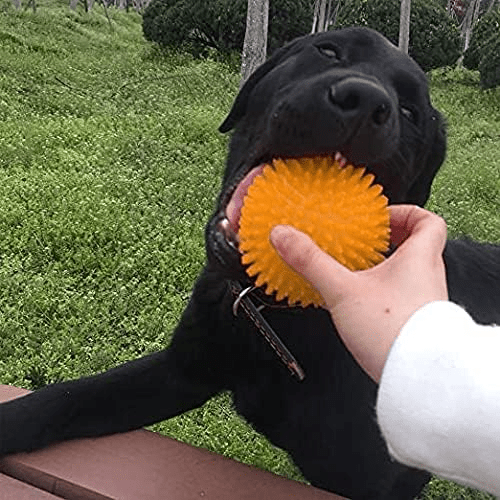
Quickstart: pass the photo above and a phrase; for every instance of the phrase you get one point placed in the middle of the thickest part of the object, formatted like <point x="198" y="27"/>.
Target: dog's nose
<point x="360" y="97"/>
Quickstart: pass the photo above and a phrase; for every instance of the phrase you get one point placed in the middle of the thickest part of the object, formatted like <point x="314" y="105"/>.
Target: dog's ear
<point x="240" y="104"/>
<point x="420" y="190"/>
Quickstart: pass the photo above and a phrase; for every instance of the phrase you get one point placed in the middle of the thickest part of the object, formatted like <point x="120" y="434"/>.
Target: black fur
<point x="349" y="91"/>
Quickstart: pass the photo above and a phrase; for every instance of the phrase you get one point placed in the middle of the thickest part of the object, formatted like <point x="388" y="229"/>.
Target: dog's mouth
<point x="229" y="221"/>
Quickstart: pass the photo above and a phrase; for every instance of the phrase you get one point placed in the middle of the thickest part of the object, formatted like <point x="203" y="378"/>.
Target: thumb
<point x="300" y="252"/>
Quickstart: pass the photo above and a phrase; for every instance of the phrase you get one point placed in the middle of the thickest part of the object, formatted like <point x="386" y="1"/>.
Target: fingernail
<point x="278" y="231"/>
<point x="278" y="236"/>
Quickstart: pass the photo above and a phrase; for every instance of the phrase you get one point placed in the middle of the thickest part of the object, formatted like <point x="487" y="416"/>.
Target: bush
<point x="194" y="25"/>
<point x="434" y="37"/>
<point x="485" y="31"/>
<point x="200" y="26"/>
<point x="484" y="49"/>
<point x="489" y="67"/>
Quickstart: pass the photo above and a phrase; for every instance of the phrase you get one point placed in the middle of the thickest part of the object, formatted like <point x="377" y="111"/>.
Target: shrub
<point x="489" y="67"/>
<point x="200" y="26"/>
<point x="484" y="50"/>
<point x="485" y="31"/>
<point x="434" y="37"/>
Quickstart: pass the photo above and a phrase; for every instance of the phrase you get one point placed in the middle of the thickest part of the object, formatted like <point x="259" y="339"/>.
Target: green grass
<point x="102" y="236"/>
<point x="467" y="189"/>
<point x="110" y="163"/>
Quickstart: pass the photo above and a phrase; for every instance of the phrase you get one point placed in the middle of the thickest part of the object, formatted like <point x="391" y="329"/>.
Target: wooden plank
<point x="147" y="466"/>
<point x="12" y="489"/>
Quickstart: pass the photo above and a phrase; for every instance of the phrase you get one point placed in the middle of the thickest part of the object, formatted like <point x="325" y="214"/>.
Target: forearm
<point x="439" y="397"/>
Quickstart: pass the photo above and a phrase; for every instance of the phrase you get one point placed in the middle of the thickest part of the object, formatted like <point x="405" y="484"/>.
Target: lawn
<point x="110" y="162"/>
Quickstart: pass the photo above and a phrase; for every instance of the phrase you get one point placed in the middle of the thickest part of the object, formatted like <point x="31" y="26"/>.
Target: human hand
<point x="370" y="307"/>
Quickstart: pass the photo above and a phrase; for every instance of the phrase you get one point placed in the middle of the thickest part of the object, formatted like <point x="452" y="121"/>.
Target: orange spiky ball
<point x="337" y="206"/>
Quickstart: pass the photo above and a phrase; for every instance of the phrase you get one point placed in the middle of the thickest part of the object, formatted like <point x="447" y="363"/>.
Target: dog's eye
<point x="328" y="50"/>
<point x="409" y="114"/>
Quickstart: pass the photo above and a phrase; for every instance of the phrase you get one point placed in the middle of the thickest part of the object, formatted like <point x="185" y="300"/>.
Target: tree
<point x="324" y="15"/>
<point x="435" y="39"/>
<point x="470" y="19"/>
<point x="492" y="4"/>
<point x="404" y="26"/>
<point x="255" y="43"/>
<point x="483" y="53"/>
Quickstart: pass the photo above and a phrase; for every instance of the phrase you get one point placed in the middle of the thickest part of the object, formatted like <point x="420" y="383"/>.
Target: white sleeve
<point x="439" y="397"/>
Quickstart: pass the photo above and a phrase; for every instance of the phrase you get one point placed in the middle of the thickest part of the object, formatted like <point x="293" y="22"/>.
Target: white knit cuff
<point x="439" y="397"/>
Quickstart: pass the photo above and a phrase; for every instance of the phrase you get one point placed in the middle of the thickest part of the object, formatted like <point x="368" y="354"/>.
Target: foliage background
<point x="202" y="27"/>
<point x="434" y="36"/>
<point x="484" y="50"/>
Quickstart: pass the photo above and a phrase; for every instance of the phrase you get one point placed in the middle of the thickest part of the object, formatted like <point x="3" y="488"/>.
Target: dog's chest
<point x="267" y="394"/>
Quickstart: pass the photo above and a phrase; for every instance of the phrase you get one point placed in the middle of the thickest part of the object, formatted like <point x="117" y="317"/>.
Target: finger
<point x="303" y="255"/>
<point x="403" y="219"/>
<point x="427" y="230"/>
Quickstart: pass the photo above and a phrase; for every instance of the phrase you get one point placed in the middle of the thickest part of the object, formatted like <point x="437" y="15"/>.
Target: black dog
<point x="348" y="92"/>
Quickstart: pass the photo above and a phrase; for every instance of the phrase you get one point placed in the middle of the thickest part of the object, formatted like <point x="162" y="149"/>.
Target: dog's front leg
<point x="130" y="396"/>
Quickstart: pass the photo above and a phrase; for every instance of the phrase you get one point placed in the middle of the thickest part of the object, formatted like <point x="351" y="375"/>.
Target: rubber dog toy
<point x="336" y="204"/>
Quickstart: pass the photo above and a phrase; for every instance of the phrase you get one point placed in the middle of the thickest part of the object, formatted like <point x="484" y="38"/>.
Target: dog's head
<point x="348" y="92"/>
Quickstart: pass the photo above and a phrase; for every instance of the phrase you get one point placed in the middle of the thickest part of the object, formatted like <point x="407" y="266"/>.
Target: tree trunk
<point x="322" y="16"/>
<point x="255" y="44"/>
<point x="404" y="26"/>
<point x="492" y="4"/>
<point x="468" y="23"/>
<point x="319" y="16"/>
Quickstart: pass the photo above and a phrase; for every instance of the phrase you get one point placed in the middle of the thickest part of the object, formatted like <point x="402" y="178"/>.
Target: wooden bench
<point x="138" y="465"/>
